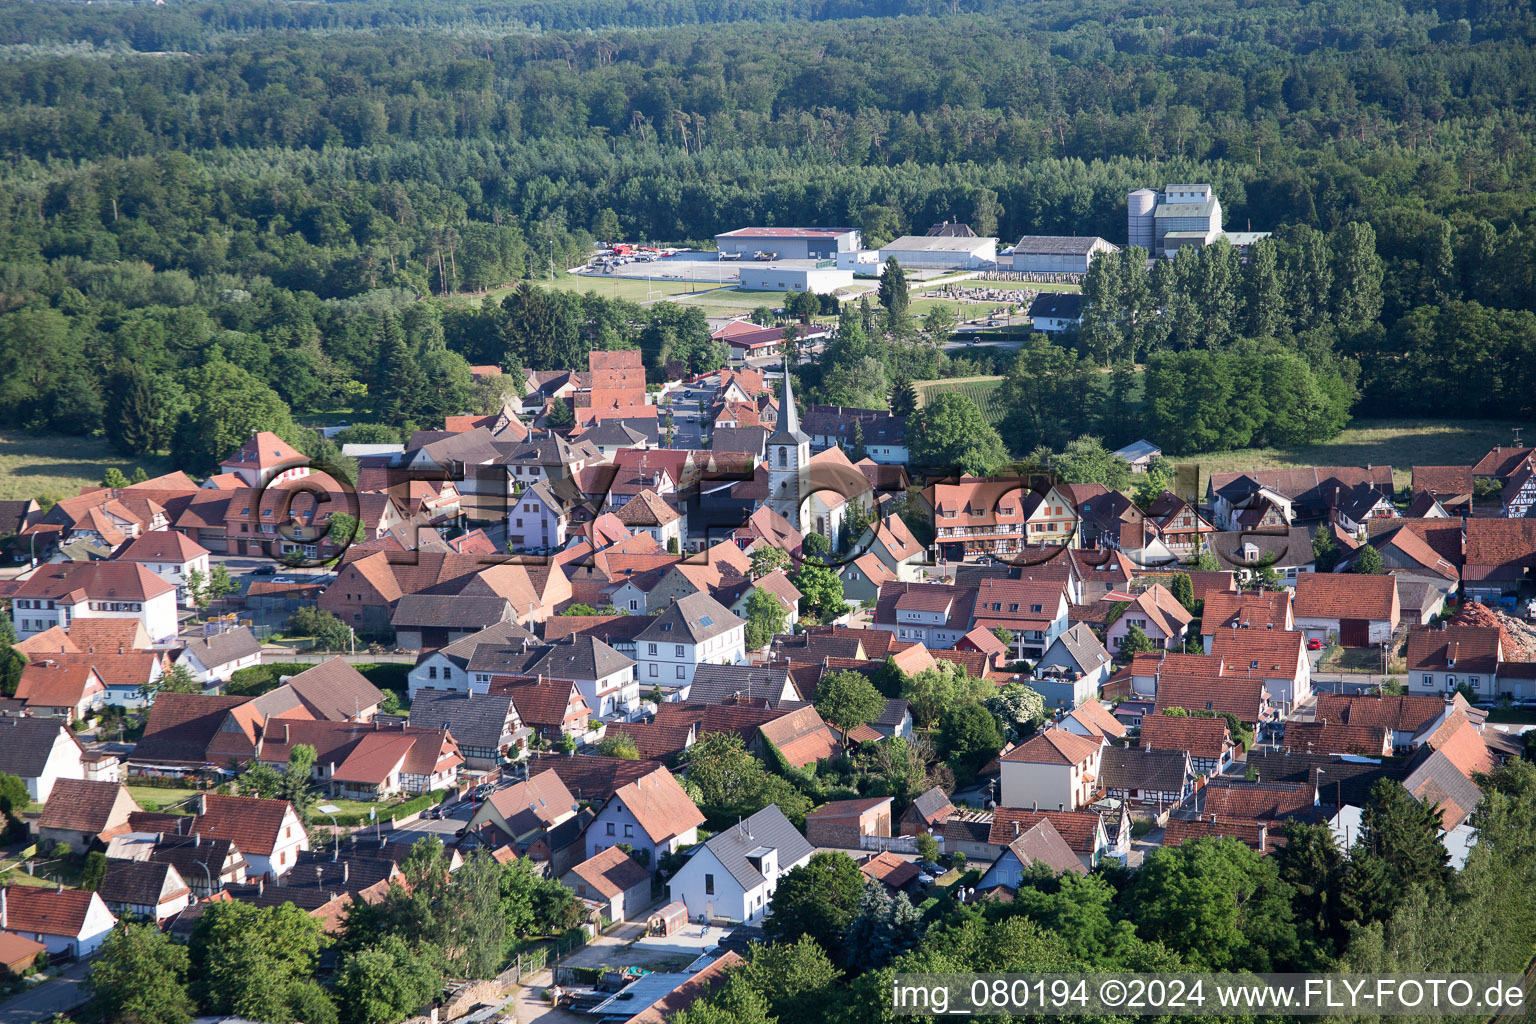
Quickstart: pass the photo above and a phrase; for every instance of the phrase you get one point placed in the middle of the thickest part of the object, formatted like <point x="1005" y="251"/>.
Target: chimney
<point x="197" y="839"/>
<point x="261" y="885"/>
<point x="1061" y="807"/>
<point x="346" y="871"/>
<point x="1015" y="830"/>
<point x="5" y="911"/>
<point x="285" y="733"/>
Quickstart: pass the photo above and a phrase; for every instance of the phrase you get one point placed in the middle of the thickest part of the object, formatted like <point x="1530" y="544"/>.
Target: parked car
<point x="1314" y="644"/>
<point x="264" y="570"/>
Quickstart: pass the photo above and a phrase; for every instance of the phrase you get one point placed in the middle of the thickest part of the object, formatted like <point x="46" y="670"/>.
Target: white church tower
<point x="789" y="455"/>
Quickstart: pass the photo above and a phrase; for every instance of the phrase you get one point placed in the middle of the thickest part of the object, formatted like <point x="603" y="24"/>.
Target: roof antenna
<point x="1517" y="437"/>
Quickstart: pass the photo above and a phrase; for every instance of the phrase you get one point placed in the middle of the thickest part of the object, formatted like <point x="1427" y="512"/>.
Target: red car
<point x="1314" y="644"/>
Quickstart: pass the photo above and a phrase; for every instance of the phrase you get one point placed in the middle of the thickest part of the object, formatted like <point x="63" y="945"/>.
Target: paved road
<point x="56" y="996"/>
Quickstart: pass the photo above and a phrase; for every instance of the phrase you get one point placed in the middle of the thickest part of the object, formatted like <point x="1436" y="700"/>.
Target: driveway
<point x="58" y="995"/>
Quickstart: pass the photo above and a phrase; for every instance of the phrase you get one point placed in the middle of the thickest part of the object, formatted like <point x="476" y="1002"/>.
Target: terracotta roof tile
<point x="1054" y="746"/>
<point x="660" y="805"/>
<point x="1256" y="801"/>
<point x="1199" y="737"/>
<point x="252" y="824"/>
<point x="76" y="805"/>
<point x="611" y="872"/>
<point x="1079" y="828"/>
<point x="1322" y="595"/>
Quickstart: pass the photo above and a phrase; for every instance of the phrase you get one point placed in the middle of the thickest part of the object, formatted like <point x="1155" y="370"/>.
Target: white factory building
<point x="790" y="243"/>
<point x="942" y="252"/>
<point x="1057" y="254"/>
<point x="820" y="276"/>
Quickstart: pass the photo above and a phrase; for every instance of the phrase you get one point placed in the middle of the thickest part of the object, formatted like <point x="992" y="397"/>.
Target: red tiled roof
<point x="1199" y="737"/>
<point x="43" y="911"/>
<point x="1239" y="695"/>
<point x="889" y="869"/>
<point x="1256" y="801"/>
<point x="1256" y="608"/>
<point x="1458" y="739"/>
<point x="1331" y="737"/>
<point x="1079" y="828"/>
<point x="611" y="872"/>
<point x="1054" y="746"/>
<point x="1321" y="595"/>
<point x="1468" y="649"/>
<point x="660" y="805"/>
<point x="253" y="824"/>
<point x="1253" y="834"/>
<point x="1271" y="653"/>
<point x="100" y="581"/>
<point x="76" y="805"/>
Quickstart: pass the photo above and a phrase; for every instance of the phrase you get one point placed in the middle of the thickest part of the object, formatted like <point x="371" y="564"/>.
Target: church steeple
<point x="789" y="455"/>
<point x="788" y="431"/>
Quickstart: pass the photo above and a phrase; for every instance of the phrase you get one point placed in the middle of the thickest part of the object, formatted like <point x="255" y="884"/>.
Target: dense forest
<point x="272" y="186"/>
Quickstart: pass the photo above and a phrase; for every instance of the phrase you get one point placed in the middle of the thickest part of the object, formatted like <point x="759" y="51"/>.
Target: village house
<point x="652" y="815"/>
<point x="686" y="634"/>
<point x="1156" y="779"/>
<point x="931" y="614"/>
<point x="366" y="760"/>
<point x="170" y="556"/>
<point x="447" y="668"/>
<point x="1040" y="844"/>
<point x="81" y="814"/>
<point x="1350" y="609"/>
<point x="1157" y="613"/>
<point x="998" y="516"/>
<point x="1180" y="526"/>
<point x="1054" y="769"/>
<point x="268" y="832"/>
<point x="147" y="889"/>
<point x="1441" y="658"/>
<point x="40" y="752"/>
<point x="1086" y="832"/>
<point x="733" y="874"/>
<point x="614" y="880"/>
<point x="928" y="812"/>
<point x="1277" y="657"/>
<point x="56" y="595"/>
<point x="215" y="658"/>
<point x="484" y="725"/>
<point x="1035" y="613"/>
<point x="1207" y="742"/>
<point x="72" y="922"/>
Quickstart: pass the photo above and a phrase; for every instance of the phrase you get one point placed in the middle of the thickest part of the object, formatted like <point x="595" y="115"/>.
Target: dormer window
<point x="1036" y="608"/>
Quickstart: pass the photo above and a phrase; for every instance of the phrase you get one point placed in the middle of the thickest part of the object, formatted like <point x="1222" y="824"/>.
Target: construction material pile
<point x="1519" y="636"/>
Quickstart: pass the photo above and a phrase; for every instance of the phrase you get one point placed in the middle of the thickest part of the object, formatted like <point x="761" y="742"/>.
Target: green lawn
<point x="59" y="465"/>
<point x="981" y="390"/>
<point x="160" y="798"/>
<point x="1399" y="443"/>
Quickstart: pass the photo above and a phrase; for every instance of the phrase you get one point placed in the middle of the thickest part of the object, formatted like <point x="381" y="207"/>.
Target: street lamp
<point x="330" y="811"/>
<point x="204" y="865"/>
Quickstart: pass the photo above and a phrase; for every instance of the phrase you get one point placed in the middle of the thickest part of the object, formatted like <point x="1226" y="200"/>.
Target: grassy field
<point x="160" y="798"/>
<point x="1401" y="444"/>
<point x="59" y="465"/>
<point x="981" y="390"/>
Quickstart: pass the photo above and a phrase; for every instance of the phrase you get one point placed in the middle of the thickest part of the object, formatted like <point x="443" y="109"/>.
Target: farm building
<point x="1057" y="254"/>
<point x="942" y="252"/>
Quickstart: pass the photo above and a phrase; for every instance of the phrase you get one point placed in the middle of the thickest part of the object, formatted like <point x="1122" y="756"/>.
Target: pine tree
<point x="400" y="387"/>
<point x="903" y="397"/>
<point x="893" y="289"/>
<point x="856" y="449"/>
<point x="133" y="411"/>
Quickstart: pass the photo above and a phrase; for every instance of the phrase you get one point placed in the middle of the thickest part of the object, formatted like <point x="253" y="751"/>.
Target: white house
<point x="1080" y="664"/>
<point x="691" y="631"/>
<point x="216" y="658"/>
<point x="1054" y="312"/>
<point x="605" y="677"/>
<point x="733" y="875"/>
<point x="40" y="751"/>
<point x="268" y="832"/>
<point x="1056" y="770"/>
<point x="648" y="512"/>
<point x="653" y="815"/>
<point x="72" y="921"/>
<point x="145" y="888"/>
<point x="171" y="556"/>
<point x="538" y="518"/>
<point x="447" y="668"/>
<point x="56" y="595"/>
<point x="942" y="252"/>
<point x="1351" y="609"/>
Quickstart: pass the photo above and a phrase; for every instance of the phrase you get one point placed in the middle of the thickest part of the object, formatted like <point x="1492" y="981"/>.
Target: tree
<point x="1357" y="276"/>
<point x="1135" y="642"/>
<point x="476" y="929"/>
<point x="93" y="871"/>
<point x="1312" y="864"/>
<point x="815" y="545"/>
<point x="968" y="738"/>
<point x="140" y="976"/>
<point x="114" y="478"/>
<point x="1183" y="590"/>
<point x="244" y="958"/>
<point x="940" y="324"/>
<point x="12" y="664"/>
<point x="847" y="700"/>
<point x="1325" y="550"/>
<point x="1018" y="710"/>
<point x="228" y="405"/>
<point x="882" y="929"/>
<point x="1004" y="636"/>
<point x="619" y="745"/>
<point x="950" y="433"/>
<point x="1404" y="835"/>
<point x="178" y="680"/>
<point x="903" y="397"/>
<point x="892" y="292"/>
<point x="765" y="559"/>
<point x="195" y="584"/>
<point x="536" y="905"/>
<point x="1216" y="903"/>
<point x="133" y="416"/>
<point x="818" y="899"/>
<point x="1264" y="290"/>
<point x="821" y="590"/>
<point x="1085" y="460"/>
<point x="344" y="530"/>
<point x="220" y="583"/>
<point x="766" y="618"/>
<point x="1367" y="561"/>
<point x="944" y="685"/>
<point x="388" y="981"/>
<point x="734" y="1002"/>
<point x="927" y="848"/>
<point x="400" y="389"/>
<point x="791" y="976"/>
<point x="14" y="797"/>
<point x="330" y="633"/>
<point x="1158" y="478"/>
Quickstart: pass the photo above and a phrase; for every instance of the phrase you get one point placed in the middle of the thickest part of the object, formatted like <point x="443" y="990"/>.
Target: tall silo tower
<point x="1140" y="219"/>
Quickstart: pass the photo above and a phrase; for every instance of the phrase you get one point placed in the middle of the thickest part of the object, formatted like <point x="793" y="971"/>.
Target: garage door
<point x="1355" y="632"/>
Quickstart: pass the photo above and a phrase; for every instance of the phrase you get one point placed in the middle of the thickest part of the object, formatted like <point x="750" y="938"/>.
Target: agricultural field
<point x="59" y="465"/>
<point x="981" y="390"/>
<point x="1401" y="444"/>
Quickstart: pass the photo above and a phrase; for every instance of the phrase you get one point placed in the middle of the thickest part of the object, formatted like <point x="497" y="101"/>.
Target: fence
<point x="895" y="844"/>
<point x="528" y="962"/>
